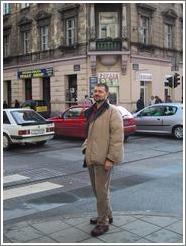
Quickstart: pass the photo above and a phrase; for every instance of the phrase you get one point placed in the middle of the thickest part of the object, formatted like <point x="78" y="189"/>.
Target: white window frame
<point x="6" y="8"/>
<point x="44" y="35"/>
<point x="70" y="31"/>
<point x="168" y="36"/>
<point x="25" y="42"/>
<point x="6" y="45"/>
<point x="24" y="5"/>
<point x="107" y="25"/>
<point x="144" y="29"/>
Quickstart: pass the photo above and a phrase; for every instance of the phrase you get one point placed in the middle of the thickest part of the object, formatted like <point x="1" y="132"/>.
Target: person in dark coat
<point x="140" y="104"/>
<point x="157" y="100"/>
<point x="5" y="105"/>
<point x="17" y="104"/>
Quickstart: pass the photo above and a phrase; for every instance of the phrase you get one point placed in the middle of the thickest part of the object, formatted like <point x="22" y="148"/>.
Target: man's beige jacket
<point x="105" y="138"/>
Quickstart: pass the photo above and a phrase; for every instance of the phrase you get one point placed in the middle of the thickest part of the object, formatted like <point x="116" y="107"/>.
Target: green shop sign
<point x="35" y="73"/>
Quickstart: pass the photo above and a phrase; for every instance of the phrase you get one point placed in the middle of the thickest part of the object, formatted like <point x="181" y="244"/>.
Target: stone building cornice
<point x="144" y="7"/>
<point x="169" y="13"/>
<point x="42" y="15"/>
<point x="24" y="21"/>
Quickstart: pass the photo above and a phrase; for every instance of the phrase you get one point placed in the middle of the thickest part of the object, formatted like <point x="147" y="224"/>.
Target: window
<point x="73" y="113"/>
<point x="6" y="8"/>
<point x="25" y="36"/>
<point x="168" y="36"/>
<point x="5" y="118"/>
<point x="70" y="31"/>
<point x="25" y="5"/>
<point x="44" y="37"/>
<point x="153" y="111"/>
<point x="144" y="30"/>
<point x="6" y="45"/>
<point x="108" y="25"/>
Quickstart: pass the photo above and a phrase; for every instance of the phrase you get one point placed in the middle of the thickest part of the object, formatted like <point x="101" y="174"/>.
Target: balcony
<point x="108" y="44"/>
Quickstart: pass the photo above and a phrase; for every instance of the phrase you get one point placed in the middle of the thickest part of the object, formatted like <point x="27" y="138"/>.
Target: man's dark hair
<point x="103" y="85"/>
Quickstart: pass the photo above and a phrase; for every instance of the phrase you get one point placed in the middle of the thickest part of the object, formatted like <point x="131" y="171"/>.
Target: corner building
<point x="58" y="51"/>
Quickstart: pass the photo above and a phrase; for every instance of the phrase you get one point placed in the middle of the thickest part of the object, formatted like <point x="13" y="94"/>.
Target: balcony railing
<point x="108" y="44"/>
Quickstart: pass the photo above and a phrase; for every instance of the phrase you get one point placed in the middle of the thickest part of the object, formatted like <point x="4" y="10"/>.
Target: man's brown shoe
<point x="94" y="221"/>
<point x="99" y="230"/>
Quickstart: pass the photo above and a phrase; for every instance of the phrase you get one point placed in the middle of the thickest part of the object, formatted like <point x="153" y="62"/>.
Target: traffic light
<point x="176" y="79"/>
<point x="170" y="81"/>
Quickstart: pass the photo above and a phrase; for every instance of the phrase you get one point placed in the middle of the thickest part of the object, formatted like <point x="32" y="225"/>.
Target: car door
<point x="150" y="119"/>
<point x="73" y="122"/>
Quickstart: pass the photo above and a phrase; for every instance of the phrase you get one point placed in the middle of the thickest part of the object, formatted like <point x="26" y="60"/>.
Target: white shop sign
<point x="145" y="77"/>
<point x="111" y="79"/>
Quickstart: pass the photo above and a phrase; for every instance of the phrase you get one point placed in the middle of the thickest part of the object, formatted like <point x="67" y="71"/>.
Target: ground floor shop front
<point x="65" y="82"/>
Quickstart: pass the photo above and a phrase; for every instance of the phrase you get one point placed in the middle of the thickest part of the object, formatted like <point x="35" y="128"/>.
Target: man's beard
<point x="99" y="100"/>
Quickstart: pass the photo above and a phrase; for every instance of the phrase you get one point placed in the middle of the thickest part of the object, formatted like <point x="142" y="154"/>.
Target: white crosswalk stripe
<point x="13" y="178"/>
<point x="26" y="189"/>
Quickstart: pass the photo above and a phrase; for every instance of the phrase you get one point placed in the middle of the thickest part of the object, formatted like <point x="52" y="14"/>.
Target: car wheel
<point x="178" y="132"/>
<point x="41" y="143"/>
<point x="6" y="142"/>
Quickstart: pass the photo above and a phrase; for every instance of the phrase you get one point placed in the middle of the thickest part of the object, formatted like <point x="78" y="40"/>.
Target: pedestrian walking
<point x="103" y="149"/>
<point x="17" y="104"/>
<point x="152" y="100"/>
<point x="168" y="99"/>
<point x="87" y="101"/>
<point x="139" y="104"/>
<point x="158" y="100"/>
<point x="5" y="104"/>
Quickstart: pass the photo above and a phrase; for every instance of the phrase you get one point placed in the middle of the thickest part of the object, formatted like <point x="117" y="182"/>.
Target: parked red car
<point x="72" y="122"/>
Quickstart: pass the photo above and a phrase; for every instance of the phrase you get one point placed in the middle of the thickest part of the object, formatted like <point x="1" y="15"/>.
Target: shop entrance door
<point x="113" y="95"/>
<point x="72" y="89"/>
<point x="28" y="89"/>
<point x="145" y="91"/>
<point x="46" y="92"/>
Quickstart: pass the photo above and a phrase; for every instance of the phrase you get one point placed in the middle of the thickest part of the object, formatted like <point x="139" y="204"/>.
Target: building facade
<point x="58" y="51"/>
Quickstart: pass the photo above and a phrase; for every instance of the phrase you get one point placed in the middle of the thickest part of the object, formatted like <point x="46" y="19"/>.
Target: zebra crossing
<point x="27" y="189"/>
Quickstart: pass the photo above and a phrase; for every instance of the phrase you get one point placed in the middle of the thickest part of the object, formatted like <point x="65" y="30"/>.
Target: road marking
<point x="29" y="189"/>
<point x="13" y="178"/>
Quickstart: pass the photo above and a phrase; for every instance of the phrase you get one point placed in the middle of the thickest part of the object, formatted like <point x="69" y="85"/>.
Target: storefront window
<point x="108" y="24"/>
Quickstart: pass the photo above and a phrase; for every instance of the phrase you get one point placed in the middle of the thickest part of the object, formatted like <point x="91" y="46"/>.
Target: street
<point x="51" y="178"/>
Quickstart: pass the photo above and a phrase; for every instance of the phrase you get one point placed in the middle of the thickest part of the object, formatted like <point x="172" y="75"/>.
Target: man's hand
<point x="108" y="165"/>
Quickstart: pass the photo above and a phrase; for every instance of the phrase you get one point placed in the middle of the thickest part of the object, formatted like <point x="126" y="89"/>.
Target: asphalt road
<point x="51" y="180"/>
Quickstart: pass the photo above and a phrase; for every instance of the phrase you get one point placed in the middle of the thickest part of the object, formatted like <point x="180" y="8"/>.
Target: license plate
<point x="37" y="131"/>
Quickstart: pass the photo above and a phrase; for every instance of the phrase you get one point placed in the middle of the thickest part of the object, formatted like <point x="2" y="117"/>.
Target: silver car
<point x="164" y="118"/>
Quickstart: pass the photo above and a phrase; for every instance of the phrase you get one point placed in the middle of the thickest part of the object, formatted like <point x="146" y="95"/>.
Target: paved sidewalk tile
<point x="160" y="220"/>
<point x="176" y="227"/>
<point x="122" y="220"/>
<point x="165" y="236"/>
<point x="120" y="237"/>
<point x="70" y="235"/>
<point x="44" y="239"/>
<point x="50" y="226"/>
<point x="23" y="234"/>
<point x="140" y="228"/>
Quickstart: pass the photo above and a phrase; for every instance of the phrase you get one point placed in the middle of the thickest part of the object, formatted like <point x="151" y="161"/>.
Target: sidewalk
<point x="130" y="227"/>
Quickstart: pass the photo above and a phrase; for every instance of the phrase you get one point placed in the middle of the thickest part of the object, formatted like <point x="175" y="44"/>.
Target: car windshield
<point x="27" y="117"/>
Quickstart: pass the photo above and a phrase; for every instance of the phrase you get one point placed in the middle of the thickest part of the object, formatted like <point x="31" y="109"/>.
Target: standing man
<point x="103" y="149"/>
<point x="140" y="104"/>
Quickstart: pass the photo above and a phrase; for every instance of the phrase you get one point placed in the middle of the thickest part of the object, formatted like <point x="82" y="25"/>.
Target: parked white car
<point x="25" y="126"/>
